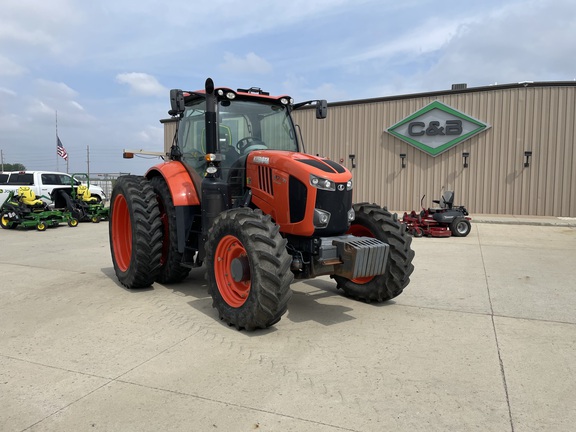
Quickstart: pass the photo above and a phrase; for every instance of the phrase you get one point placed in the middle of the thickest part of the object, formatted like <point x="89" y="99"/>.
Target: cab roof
<point x="251" y="93"/>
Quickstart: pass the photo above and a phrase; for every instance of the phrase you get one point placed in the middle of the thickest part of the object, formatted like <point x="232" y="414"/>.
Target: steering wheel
<point x="248" y="144"/>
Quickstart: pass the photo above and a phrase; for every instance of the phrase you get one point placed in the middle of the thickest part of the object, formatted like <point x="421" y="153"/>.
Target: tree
<point x="13" y="167"/>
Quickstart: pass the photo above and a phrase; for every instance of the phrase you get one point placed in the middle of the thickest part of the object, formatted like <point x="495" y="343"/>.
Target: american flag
<point x="60" y="149"/>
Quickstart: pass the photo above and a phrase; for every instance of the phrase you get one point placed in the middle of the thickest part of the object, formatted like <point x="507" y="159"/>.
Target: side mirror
<point x="176" y="102"/>
<point x="321" y="109"/>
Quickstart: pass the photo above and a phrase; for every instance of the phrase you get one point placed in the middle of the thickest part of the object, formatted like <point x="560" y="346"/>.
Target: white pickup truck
<point x="42" y="183"/>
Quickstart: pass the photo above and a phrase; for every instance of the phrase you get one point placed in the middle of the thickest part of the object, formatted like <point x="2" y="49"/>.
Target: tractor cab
<point x="246" y="120"/>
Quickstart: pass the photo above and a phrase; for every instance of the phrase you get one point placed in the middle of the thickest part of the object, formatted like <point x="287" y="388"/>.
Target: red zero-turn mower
<point x="444" y="221"/>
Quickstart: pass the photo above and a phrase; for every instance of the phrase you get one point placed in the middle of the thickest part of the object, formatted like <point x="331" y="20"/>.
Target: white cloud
<point x="142" y="83"/>
<point x="300" y="89"/>
<point x="10" y="122"/>
<point x="8" y="92"/>
<point x="151" y="134"/>
<point x="38" y="107"/>
<point x="55" y="90"/>
<point x="514" y="43"/>
<point x="76" y="106"/>
<point x="251" y="63"/>
<point x="18" y="34"/>
<point x="426" y="38"/>
<point x="10" y="68"/>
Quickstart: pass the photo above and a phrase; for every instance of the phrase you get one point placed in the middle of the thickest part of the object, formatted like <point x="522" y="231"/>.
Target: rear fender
<point x="179" y="182"/>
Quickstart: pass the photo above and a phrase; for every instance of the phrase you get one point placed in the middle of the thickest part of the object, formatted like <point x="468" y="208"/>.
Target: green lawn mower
<point x="22" y="208"/>
<point x="78" y="200"/>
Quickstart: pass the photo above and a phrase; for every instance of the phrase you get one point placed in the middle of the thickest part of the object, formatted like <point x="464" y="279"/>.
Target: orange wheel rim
<point x="361" y="231"/>
<point x="122" y="233"/>
<point x="234" y="293"/>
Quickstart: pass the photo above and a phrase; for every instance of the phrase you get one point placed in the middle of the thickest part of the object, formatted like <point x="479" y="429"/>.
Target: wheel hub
<point x="240" y="269"/>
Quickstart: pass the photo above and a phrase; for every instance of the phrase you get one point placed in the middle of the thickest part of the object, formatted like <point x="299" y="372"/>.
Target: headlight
<point x="321" y="218"/>
<point x="349" y="184"/>
<point x="351" y="215"/>
<point x="321" y="183"/>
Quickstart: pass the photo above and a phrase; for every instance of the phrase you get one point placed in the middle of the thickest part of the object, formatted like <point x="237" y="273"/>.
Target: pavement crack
<point x="500" y="360"/>
<point x="237" y="405"/>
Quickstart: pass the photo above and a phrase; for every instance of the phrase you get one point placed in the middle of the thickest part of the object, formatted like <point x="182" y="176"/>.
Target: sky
<point x="100" y="72"/>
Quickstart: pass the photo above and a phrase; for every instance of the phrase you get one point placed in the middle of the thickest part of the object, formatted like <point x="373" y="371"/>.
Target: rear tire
<point x="373" y="221"/>
<point x="135" y="232"/>
<point x="171" y="270"/>
<point x="460" y="227"/>
<point x="248" y="269"/>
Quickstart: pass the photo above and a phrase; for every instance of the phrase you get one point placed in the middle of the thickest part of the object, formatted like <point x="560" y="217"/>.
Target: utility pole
<point x="88" y="160"/>
<point x="2" y="160"/>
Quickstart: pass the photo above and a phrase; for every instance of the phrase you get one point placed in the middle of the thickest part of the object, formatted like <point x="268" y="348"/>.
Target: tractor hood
<point x="296" y="163"/>
<point x="297" y="189"/>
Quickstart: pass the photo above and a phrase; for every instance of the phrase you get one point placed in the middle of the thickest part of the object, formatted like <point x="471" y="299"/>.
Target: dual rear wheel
<point x="248" y="268"/>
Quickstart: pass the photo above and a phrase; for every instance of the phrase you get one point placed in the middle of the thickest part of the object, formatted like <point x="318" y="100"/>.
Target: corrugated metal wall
<point x="540" y="119"/>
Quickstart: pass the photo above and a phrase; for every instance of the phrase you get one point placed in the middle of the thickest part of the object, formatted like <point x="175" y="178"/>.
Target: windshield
<point x="268" y="126"/>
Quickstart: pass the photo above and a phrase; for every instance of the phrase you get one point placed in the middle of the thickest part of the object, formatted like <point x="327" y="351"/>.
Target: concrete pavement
<point x="483" y="339"/>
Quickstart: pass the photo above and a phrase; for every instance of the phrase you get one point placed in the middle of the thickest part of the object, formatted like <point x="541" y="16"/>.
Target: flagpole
<point x="57" y="164"/>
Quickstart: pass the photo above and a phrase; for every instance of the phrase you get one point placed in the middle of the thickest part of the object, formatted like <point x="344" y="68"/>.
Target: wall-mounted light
<point x="352" y="158"/>
<point x="403" y="158"/>
<point x="527" y="156"/>
<point x="465" y="156"/>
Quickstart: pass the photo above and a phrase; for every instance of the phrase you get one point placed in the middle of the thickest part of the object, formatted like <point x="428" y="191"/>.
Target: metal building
<point x="503" y="149"/>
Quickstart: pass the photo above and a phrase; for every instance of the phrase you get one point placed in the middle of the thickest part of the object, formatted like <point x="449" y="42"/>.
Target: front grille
<point x="265" y="179"/>
<point x="337" y="203"/>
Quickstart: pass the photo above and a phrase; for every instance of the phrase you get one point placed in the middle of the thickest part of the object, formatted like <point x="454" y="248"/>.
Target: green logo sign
<point x="436" y="128"/>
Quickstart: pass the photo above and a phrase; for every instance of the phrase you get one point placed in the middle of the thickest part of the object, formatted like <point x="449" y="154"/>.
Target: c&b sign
<point x="436" y="128"/>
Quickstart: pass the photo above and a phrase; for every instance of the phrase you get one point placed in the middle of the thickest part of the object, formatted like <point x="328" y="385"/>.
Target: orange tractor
<point x="238" y="196"/>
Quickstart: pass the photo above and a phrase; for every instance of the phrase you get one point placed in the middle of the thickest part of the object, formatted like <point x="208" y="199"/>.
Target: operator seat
<point x="85" y="195"/>
<point x="446" y="202"/>
<point x="28" y="197"/>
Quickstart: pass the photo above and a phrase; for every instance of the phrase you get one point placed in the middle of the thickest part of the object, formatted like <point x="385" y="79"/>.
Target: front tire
<point x="135" y="232"/>
<point x="373" y="221"/>
<point x="248" y="269"/>
<point x="5" y="222"/>
<point x="171" y="270"/>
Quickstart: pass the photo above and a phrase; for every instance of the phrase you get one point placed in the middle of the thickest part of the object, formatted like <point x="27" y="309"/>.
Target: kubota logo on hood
<point x="261" y="160"/>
